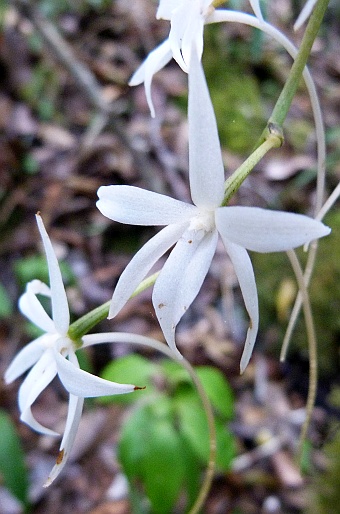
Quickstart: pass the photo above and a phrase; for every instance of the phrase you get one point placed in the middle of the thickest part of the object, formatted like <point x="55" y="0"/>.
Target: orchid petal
<point x="193" y="37"/>
<point x="187" y="25"/>
<point x="60" y="310"/>
<point x="304" y="14"/>
<point x="37" y="287"/>
<point x="154" y="62"/>
<point x="166" y="7"/>
<point x="255" y="4"/>
<point x="36" y="381"/>
<point x="75" y="408"/>
<point x="207" y="7"/>
<point x="136" y="206"/>
<point x="28" y="418"/>
<point x="180" y="19"/>
<point x="42" y="372"/>
<point x="81" y="383"/>
<point x="263" y="230"/>
<point x="25" y="359"/>
<point x="141" y="264"/>
<point x="180" y="280"/>
<point x="206" y="170"/>
<point x="195" y="273"/>
<point x="245" y="275"/>
<point x="31" y="307"/>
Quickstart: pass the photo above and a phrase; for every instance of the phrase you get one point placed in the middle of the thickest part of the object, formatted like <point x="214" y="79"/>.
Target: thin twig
<point x="312" y="344"/>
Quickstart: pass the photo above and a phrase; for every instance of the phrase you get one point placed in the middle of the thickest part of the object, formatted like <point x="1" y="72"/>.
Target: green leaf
<point x="175" y="373"/>
<point x="218" y="390"/>
<point x="151" y="452"/>
<point x="6" y="307"/>
<point x="131" y="446"/>
<point x="84" y="360"/>
<point x="226" y="449"/>
<point x="193" y="425"/>
<point x="12" y="464"/>
<point x="193" y="472"/>
<point x="131" y="369"/>
<point x="163" y="467"/>
<point x="35" y="267"/>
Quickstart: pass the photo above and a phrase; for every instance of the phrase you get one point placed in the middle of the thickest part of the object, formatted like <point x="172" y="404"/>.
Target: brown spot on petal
<point x="60" y="456"/>
<point x="161" y="305"/>
<point x="190" y="241"/>
<point x="136" y="388"/>
<point x="250" y="323"/>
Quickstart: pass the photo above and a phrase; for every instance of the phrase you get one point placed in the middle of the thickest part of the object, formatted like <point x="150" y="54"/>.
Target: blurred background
<point x="69" y="123"/>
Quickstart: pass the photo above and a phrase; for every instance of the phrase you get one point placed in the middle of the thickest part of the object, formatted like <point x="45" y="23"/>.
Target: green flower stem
<point x="287" y="94"/>
<point x="84" y="324"/>
<point x="232" y="184"/>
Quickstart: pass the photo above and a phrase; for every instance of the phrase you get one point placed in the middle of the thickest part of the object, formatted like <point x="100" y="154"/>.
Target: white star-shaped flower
<point x="194" y="228"/>
<point x="187" y="18"/>
<point x="54" y="353"/>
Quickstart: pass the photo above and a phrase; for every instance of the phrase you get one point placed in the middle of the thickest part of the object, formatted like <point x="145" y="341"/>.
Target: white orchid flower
<point x="187" y="18"/>
<point x="304" y="14"/>
<point x="54" y="353"/>
<point x="194" y="228"/>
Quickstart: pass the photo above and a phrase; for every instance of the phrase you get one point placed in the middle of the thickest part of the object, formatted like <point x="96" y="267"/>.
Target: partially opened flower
<point x="187" y="19"/>
<point x="194" y="228"/>
<point x="54" y="353"/>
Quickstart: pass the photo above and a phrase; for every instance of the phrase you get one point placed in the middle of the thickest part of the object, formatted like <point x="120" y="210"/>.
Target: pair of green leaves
<point x="164" y="444"/>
